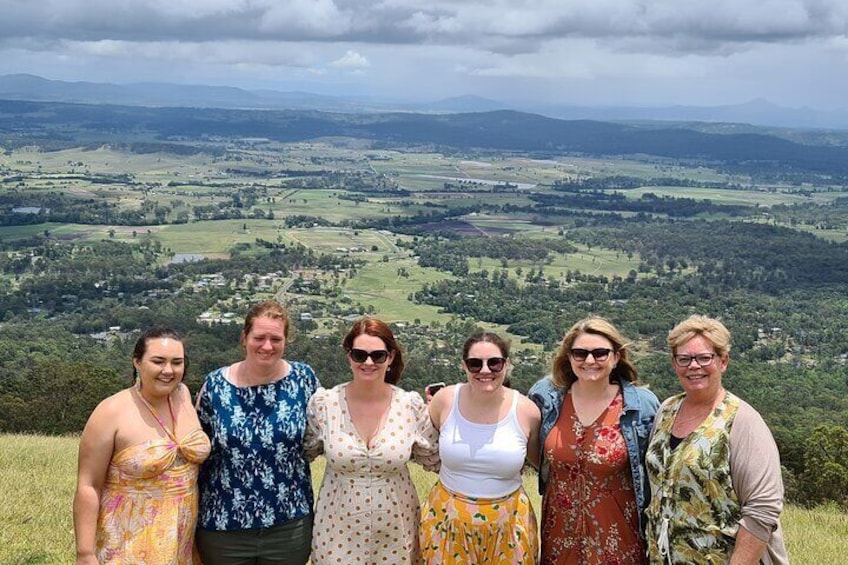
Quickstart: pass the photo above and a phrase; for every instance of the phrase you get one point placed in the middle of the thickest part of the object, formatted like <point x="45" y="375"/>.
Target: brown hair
<point x="624" y="370"/>
<point x="267" y="309"/>
<point x="489" y="337"/>
<point x="380" y="329"/>
<point x="697" y="325"/>
<point x="159" y="332"/>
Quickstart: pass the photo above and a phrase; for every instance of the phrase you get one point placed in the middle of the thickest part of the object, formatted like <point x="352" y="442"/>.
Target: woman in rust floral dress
<point x="595" y="427"/>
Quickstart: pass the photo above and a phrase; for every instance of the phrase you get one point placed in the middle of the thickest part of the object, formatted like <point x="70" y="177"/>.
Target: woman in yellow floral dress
<point x="136" y="497"/>
<point x="478" y="512"/>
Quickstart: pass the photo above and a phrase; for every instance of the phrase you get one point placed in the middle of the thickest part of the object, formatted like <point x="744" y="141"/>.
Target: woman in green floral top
<point x="713" y="466"/>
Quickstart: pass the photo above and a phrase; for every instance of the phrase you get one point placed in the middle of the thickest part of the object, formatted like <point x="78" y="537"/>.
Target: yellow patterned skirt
<point x="462" y="530"/>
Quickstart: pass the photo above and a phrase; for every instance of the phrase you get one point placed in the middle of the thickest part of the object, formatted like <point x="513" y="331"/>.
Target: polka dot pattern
<point x="367" y="511"/>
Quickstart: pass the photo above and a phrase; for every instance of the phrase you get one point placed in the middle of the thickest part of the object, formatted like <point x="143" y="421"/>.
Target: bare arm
<point x="531" y="420"/>
<point x="95" y="452"/>
<point x="748" y="548"/>
<point x="439" y="405"/>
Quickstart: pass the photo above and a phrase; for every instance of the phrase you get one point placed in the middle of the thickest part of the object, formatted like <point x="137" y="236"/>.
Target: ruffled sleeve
<point x="316" y="421"/>
<point x="425" y="449"/>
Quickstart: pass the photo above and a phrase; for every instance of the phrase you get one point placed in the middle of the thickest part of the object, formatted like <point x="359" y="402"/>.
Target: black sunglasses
<point x="495" y="364"/>
<point x="599" y="354"/>
<point x="377" y="356"/>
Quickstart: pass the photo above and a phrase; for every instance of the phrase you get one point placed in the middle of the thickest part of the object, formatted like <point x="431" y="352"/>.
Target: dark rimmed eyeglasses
<point x="702" y="359"/>
<point x="599" y="354"/>
<point x="378" y="356"/>
<point x="495" y="364"/>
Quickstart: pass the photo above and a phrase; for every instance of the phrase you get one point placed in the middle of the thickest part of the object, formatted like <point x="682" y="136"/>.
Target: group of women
<point x="226" y="480"/>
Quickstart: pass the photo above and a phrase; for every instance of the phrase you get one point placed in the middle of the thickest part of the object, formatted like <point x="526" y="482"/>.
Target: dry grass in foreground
<point x="38" y="476"/>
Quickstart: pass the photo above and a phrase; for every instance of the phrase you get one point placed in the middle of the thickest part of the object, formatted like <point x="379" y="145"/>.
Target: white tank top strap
<point x="456" y="393"/>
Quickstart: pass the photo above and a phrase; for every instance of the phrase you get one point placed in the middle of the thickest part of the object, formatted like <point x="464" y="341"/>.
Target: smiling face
<point x="485" y="380"/>
<point x="265" y="343"/>
<point x="161" y="367"/>
<point x="701" y="383"/>
<point x="368" y="370"/>
<point x="590" y="369"/>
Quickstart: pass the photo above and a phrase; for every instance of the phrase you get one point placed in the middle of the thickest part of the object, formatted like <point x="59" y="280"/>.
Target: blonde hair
<point x="564" y="377"/>
<point x="698" y="325"/>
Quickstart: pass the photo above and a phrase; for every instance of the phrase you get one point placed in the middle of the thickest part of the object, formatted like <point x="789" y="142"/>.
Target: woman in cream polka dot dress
<point x="368" y="429"/>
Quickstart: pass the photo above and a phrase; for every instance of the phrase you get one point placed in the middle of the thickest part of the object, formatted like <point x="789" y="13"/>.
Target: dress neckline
<point x="172" y="433"/>
<point x="372" y="442"/>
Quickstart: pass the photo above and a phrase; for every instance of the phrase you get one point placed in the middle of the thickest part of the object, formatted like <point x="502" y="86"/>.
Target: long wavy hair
<point x="624" y="370"/>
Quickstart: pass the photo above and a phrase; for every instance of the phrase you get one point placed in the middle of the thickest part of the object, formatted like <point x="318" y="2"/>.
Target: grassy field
<point x="38" y="476"/>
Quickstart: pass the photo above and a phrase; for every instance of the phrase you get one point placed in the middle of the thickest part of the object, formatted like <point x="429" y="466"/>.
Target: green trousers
<point x="285" y="544"/>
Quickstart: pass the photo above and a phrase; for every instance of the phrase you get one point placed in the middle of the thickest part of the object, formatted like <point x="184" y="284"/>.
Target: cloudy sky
<point x="600" y="52"/>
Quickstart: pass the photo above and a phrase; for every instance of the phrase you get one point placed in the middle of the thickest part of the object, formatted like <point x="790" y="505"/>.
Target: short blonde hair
<point x="564" y="377"/>
<point x="698" y="325"/>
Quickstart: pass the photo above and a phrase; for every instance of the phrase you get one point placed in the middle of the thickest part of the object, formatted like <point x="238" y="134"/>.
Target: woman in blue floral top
<point x="256" y="488"/>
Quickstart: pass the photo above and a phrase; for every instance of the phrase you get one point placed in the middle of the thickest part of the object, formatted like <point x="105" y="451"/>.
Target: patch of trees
<point x="648" y="203"/>
<point x="623" y="182"/>
<point x="727" y="254"/>
<point x="452" y="255"/>
<point x="304" y="221"/>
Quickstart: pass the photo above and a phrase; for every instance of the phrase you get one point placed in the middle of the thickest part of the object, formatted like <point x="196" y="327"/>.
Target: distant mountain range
<point x="756" y="112"/>
<point x="55" y="125"/>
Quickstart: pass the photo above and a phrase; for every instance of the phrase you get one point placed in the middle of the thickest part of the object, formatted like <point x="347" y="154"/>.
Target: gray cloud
<point x="480" y="46"/>
<point x="477" y="23"/>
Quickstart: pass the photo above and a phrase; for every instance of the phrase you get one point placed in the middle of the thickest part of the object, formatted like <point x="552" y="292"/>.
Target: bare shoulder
<point x="102" y="426"/>
<point x="110" y="408"/>
<point x="441" y="403"/>
<point x="528" y="410"/>
<point x="444" y="398"/>
<point x="183" y="393"/>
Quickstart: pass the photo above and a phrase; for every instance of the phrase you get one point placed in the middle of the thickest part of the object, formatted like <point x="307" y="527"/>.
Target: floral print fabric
<point x="148" y="508"/>
<point x="461" y="530"/>
<point x="367" y="511"/>
<point x="694" y="513"/>
<point x="589" y="510"/>
<point x="257" y="475"/>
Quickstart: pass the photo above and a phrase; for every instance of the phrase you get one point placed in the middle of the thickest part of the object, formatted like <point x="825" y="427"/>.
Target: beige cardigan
<point x="755" y="471"/>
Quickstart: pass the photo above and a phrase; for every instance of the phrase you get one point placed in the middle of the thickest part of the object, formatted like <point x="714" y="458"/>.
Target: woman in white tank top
<point x="478" y="512"/>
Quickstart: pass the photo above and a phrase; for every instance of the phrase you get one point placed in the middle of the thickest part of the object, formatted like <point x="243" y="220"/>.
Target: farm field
<point x="743" y="197"/>
<point x="38" y="478"/>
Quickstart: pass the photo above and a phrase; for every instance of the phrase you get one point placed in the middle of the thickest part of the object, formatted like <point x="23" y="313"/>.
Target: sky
<point x="793" y="53"/>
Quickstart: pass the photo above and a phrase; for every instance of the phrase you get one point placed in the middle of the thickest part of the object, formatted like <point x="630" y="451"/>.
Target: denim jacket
<point x="637" y="419"/>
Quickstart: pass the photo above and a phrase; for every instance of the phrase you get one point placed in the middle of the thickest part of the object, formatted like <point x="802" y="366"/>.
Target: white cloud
<point x="351" y="60"/>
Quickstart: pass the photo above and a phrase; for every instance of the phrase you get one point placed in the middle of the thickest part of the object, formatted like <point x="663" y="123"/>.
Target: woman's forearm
<point x="86" y="511"/>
